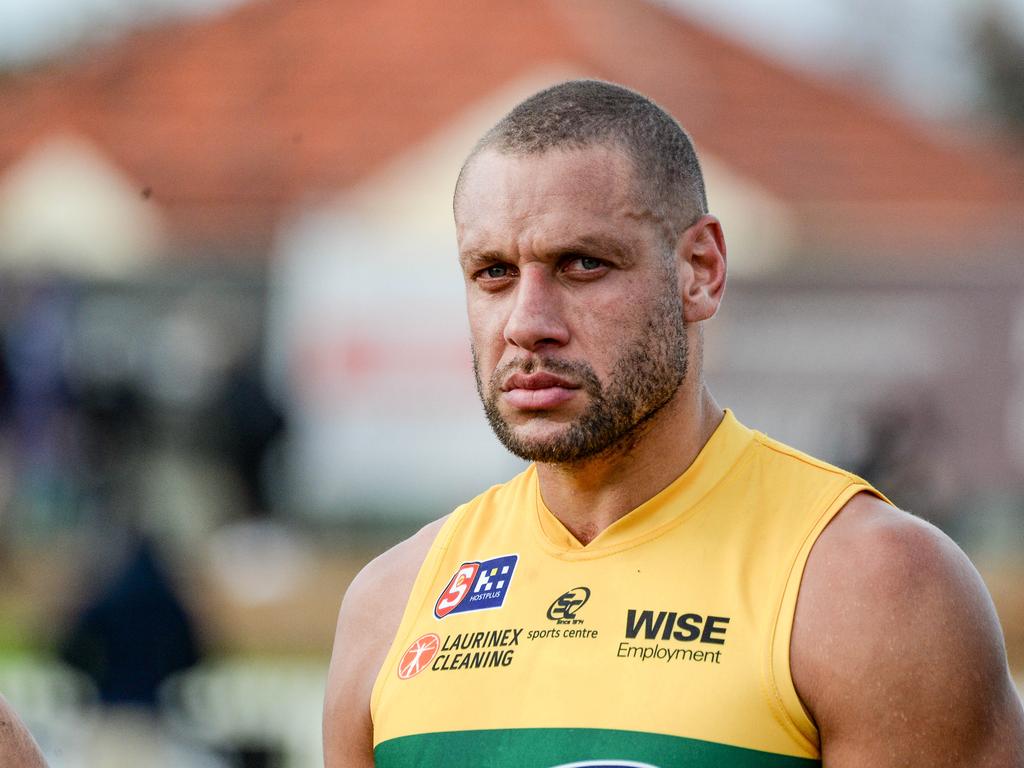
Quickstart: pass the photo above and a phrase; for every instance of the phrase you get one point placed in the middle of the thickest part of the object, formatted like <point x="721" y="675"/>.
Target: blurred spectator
<point x="134" y="634"/>
<point x="5" y="386"/>
<point x="252" y="426"/>
<point x="6" y="458"/>
<point x="41" y="417"/>
<point x="905" y="454"/>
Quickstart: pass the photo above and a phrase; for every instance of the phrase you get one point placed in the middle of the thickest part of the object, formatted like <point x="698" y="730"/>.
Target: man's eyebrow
<point x="591" y="243"/>
<point x="596" y="244"/>
<point x="474" y="256"/>
<point x="599" y="245"/>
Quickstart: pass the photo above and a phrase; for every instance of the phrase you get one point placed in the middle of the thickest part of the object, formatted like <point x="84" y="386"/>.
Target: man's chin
<point x="539" y="428"/>
<point x="544" y="445"/>
<point x="542" y="436"/>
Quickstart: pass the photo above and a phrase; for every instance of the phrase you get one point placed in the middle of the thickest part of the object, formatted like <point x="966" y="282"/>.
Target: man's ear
<point x="700" y="255"/>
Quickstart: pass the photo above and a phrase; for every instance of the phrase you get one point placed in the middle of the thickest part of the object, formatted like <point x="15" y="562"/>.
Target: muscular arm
<point x="897" y="652"/>
<point x="17" y="747"/>
<point x="366" y="629"/>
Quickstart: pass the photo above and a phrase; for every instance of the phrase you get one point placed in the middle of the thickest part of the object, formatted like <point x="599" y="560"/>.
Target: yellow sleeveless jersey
<point x="664" y="642"/>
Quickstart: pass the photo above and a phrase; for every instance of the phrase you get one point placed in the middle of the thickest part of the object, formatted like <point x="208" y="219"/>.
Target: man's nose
<point x="535" y="320"/>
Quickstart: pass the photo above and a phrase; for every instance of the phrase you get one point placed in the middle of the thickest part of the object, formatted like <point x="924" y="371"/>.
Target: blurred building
<point x="304" y="151"/>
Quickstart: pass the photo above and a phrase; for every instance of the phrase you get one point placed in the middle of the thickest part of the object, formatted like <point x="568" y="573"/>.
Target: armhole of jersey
<point x="795" y="716"/>
<point x="418" y="594"/>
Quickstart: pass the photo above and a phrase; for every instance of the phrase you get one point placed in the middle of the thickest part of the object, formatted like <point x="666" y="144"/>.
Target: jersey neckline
<point x="668" y="507"/>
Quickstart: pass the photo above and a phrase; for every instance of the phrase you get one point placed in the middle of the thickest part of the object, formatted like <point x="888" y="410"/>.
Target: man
<point x="632" y="597"/>
<point x="17" y="747"/>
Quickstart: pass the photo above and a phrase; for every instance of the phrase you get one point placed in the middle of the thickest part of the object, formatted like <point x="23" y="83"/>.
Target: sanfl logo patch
<point x="477" y="586"/>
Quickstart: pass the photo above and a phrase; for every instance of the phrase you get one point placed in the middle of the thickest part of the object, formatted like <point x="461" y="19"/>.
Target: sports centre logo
<point x="418" y="656"/>
<point x="477" y="586"/>
<point x="566" y="606"/>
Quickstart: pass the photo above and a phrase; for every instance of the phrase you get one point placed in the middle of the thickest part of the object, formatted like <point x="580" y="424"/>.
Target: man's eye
<point x="496" y="271"/>
<point x="584" y="264"/>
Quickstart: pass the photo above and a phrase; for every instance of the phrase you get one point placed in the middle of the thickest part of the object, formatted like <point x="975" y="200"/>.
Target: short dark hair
<point x="581" y="113"/>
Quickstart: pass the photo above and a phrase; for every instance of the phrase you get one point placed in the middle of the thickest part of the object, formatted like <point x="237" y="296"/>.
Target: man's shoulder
<point x="784" y="455"/>
<point x="802" y="483"/>
<point x="871" y="546"/>
<point x="893" y="623"/>
<point x="874" y="558"/>
<point x="394" y="569"/>
<point x="516" y="487"/>
<point x="398" y="566"/>
<point x="366" y="627"/>
<point x="17" y="747"/>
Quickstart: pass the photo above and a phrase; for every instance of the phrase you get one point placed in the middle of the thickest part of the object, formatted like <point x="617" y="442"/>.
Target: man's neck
<point x="589" y="496"/>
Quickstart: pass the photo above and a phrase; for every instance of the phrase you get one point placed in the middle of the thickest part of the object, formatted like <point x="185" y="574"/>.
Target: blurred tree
<point x="999" y="48"/>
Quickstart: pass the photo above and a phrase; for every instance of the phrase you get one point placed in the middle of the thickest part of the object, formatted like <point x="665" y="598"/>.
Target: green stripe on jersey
<point x="551" y="747"/>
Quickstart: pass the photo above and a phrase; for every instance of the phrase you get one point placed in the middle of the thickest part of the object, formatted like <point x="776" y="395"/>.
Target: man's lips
<point x="539" y="380"/>
<point x="537" y="391"/>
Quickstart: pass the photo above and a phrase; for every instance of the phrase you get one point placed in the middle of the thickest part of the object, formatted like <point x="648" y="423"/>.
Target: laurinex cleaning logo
<point x="419" y="655"/>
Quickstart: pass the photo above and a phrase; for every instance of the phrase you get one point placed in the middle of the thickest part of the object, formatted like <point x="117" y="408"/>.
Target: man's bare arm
<point x="17" y="747"/>
<point x="897" y="651"/>
<point x="366" y="629"/>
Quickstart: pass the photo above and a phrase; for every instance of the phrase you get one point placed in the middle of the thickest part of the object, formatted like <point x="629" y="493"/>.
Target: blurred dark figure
<point x="255" y="757"/>
<point x="905" y="454"/>
<point x="6" y="398"/>
<point x="6" y="460"/>
<point x="115" y="435"/>
<point x="134" y="634"/>
<point x="252" y="424"/>
<point x="42" y="419"/>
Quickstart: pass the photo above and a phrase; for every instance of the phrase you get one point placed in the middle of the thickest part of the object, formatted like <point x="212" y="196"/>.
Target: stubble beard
<point x="641" y="383"/>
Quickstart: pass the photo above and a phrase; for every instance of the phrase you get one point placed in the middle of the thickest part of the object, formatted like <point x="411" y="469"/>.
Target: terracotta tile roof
<point x="232" y="119"/>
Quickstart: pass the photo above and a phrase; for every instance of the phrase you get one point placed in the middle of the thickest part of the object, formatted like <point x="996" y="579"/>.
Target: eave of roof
<point x="234" y="119"/>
